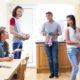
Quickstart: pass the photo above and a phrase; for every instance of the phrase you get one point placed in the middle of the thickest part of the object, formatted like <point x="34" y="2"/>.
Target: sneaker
<point x="56" y="76"/>
<point x="51" y="76"/>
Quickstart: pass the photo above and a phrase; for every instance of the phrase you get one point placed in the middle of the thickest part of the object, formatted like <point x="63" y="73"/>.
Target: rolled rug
<point x="49" y="38"/>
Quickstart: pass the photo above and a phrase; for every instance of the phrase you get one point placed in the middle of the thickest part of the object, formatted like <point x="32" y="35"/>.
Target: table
<point x="8" y="69"/>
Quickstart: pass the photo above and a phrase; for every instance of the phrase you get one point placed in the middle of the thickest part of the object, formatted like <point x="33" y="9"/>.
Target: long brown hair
<point x="6" y="46"/>
<point x="72" y="17"/>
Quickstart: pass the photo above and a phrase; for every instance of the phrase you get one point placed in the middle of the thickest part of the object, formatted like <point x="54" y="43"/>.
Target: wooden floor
<point x="31" y="74"/>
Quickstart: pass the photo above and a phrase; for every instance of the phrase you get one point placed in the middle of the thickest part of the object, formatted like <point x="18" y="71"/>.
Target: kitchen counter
<point x="42" y="42"/>
<point x="42" y="61"/>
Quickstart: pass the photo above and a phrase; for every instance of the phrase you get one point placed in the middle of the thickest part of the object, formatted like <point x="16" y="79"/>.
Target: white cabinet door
<point x="27" y="27"/>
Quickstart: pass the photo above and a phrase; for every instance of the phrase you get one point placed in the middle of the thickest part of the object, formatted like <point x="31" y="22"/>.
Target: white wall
<point x="4" y="3"/>
<point x="3" y="12"/>
<point x="46" y="1"/>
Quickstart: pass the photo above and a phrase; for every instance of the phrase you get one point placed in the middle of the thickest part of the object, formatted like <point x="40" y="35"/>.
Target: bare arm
<point x="5" y="59"/>
<point x="14" y="32"/>
<point x="22" y="36"/>
<point x="17" y="50"/>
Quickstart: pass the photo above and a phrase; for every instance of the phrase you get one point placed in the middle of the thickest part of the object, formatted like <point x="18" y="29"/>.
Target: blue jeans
<point x="17" y="55"/>
<point x="52" y="54"/>
<point x="74" y="58"/>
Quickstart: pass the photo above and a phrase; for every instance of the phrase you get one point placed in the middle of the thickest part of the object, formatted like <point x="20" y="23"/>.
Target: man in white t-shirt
<point x="15" y="30"/>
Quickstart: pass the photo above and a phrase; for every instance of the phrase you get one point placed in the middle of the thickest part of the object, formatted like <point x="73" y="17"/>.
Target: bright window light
<point x="60" y="11"/>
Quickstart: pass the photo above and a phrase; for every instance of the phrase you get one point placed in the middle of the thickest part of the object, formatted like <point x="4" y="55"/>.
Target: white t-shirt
<point x="72" y="36"/>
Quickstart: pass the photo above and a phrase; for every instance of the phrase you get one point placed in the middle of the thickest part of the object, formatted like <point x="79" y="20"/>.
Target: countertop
<point x="42" y="42"/>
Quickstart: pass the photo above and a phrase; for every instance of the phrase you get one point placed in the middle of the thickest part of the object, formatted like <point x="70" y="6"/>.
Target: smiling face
<point x="70" y="22"/>
<point x="49" y="17"/>
<point x="19" y="12"/>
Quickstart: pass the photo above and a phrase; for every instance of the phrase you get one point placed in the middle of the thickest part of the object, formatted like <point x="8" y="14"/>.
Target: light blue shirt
<point x="2" y="52"/>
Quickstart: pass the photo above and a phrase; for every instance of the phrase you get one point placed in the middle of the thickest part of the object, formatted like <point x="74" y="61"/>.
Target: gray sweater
<point x="52" y="27"/>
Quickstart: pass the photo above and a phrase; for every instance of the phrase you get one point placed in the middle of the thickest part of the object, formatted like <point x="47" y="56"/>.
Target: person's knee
<point x="50" y="60"/>
<point x="55" y="60"/>
<point x="75" y="69"/>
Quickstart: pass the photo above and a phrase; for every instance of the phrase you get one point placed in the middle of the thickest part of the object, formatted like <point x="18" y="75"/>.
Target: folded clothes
<point x="49" y="39"/>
